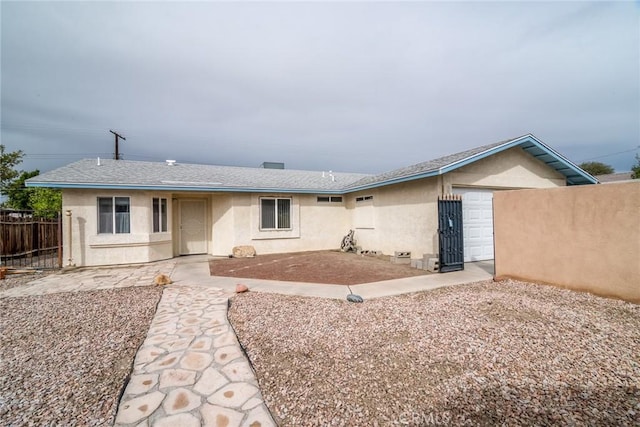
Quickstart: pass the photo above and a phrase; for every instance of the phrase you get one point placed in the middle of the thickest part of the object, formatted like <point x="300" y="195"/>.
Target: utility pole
<point x="118" y="136"/>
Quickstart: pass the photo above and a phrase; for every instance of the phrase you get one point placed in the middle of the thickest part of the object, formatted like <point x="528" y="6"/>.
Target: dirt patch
<point x="331" y="267"/>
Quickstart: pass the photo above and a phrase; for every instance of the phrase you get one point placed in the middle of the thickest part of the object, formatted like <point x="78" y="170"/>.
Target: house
<point x="129" y="211"/>
<point x="614" y="177"/>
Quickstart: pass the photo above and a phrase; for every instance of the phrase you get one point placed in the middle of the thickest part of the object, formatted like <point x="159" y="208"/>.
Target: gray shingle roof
<point x="154" y="175"/>
<point x="135" y="174"/>
<point x="615" y="177"/>
<point x="424" y="167"/>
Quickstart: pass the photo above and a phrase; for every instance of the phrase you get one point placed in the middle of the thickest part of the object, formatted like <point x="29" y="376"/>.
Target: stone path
<point x="190" y="371"/>
<point x="93" y="278"/>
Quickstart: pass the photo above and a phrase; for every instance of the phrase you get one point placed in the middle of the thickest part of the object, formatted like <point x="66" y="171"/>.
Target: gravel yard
<point x="64" y="358"/>
<point x="15" y="280"/>
<point x="481" y="354"/>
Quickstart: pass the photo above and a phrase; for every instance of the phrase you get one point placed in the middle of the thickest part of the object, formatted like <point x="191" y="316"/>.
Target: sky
<point x="345" y="86"/>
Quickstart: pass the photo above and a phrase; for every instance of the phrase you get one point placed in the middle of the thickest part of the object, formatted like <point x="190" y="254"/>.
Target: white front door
<point x="193" y="227"/>
<point x="477" y="223"/>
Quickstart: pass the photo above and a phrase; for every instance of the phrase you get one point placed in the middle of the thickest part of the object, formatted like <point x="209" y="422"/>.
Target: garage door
<point x="477" y="220"/>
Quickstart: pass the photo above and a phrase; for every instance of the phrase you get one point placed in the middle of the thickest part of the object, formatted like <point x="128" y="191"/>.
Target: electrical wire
<point x="610" y="154"/>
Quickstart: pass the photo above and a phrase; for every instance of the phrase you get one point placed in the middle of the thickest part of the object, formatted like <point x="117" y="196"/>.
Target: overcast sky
<point x="351" y="87"/>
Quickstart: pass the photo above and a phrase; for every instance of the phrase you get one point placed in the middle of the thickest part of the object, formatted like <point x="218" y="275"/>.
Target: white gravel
<point x="64" y="358"/>
<point x="481" y="354"/>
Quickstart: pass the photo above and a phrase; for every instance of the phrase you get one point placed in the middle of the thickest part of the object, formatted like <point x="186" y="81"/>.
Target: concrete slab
<point x="195" y="270"/>
<point x="471" y="273"/>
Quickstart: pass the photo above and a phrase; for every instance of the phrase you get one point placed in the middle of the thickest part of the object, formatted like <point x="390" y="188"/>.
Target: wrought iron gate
<point x="450" y="233"/>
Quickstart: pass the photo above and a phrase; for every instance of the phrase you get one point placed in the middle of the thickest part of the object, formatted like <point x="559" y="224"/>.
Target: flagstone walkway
<point x="190" y="370"/>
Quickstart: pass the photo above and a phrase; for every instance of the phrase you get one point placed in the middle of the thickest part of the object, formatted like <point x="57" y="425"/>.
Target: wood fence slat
<point x="30" y="240"/>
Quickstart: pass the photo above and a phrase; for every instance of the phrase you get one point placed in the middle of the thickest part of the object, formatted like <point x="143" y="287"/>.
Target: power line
<point x="61" y="156"/>
<point x="610" y="154"/>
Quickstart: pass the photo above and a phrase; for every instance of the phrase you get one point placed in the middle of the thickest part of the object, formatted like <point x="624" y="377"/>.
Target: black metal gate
<point x="450" y="233"/>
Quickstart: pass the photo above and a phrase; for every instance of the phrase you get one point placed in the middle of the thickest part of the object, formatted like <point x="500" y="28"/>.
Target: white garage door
<point x="477" y="220"/>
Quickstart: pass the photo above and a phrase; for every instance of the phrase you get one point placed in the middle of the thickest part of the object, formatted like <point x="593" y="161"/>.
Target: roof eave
<point x="583" y="178"/>
<point x="391" y="181"/>
<point x="576" y="176"/>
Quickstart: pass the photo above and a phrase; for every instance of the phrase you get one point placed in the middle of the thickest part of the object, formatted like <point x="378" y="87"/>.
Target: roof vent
<point x="333" y="178"/>
<point x="171" y="162"/>
<point x="272" y="165"/>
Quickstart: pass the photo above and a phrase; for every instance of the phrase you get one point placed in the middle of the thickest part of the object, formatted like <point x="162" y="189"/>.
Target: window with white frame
<point x="114" y="215"/>
<point x="275" y="213"/>
<point x="159" y="215"/>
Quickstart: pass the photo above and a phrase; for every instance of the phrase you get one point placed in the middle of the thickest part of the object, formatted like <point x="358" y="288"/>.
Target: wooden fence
<point x="26" y="241"/>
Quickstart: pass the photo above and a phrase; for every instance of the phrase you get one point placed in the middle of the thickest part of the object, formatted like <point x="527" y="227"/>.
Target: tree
<point x="596" y="168"/>
<point x="8" y="163"/>
<point x="45" y="202"/>
<point x="17" y="193"/>
<point x="635" y="169"/>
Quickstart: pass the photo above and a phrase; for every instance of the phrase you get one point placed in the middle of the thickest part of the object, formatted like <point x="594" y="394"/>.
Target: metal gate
<point x="450" y="233"/>
<point x="28" y="242"/>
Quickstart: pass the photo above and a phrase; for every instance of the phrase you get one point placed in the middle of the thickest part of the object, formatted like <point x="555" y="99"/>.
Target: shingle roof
<point x="614" y="177"/>
<point x="189" y="177"/>
<point x="442" y="165"/>
<point x="424" y="168"/>
<point x="155" y="175"/>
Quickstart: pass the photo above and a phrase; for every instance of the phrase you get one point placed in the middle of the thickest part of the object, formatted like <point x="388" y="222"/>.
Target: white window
<point x="363" y="198"/>
<point x="113" y="215"/>
<point x="275" y="214"/>
<point x="159" y="215"/>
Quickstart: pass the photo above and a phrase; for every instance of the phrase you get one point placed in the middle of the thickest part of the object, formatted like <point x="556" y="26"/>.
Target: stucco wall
<point x="513" y="168"/>
<point x="585" y="238"/>
<point x="90" y="248"/>
<point x="315" y="225"/>
<point x="405" y="215"/>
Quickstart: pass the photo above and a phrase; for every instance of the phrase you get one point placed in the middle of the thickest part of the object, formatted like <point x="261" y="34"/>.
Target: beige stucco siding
<point x="90" y="248"/>
<point x="315" y="226"/>
<point x="232" y="220"/>
<point x="223" y="209"/>
<point x="513" y="168"/>
<point x="405" y="215"/>
<point x="585" y="238"/>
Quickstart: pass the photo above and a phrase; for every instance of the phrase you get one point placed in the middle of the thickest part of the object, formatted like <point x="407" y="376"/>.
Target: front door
<point x="193" y="227"/>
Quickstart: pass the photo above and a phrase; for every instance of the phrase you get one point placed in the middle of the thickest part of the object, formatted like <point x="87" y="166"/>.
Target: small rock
<point x="240" y="288"/>
<point x="354" y="298"/>
<point x="245" y="251"/>
<point x="162" y="280"/>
